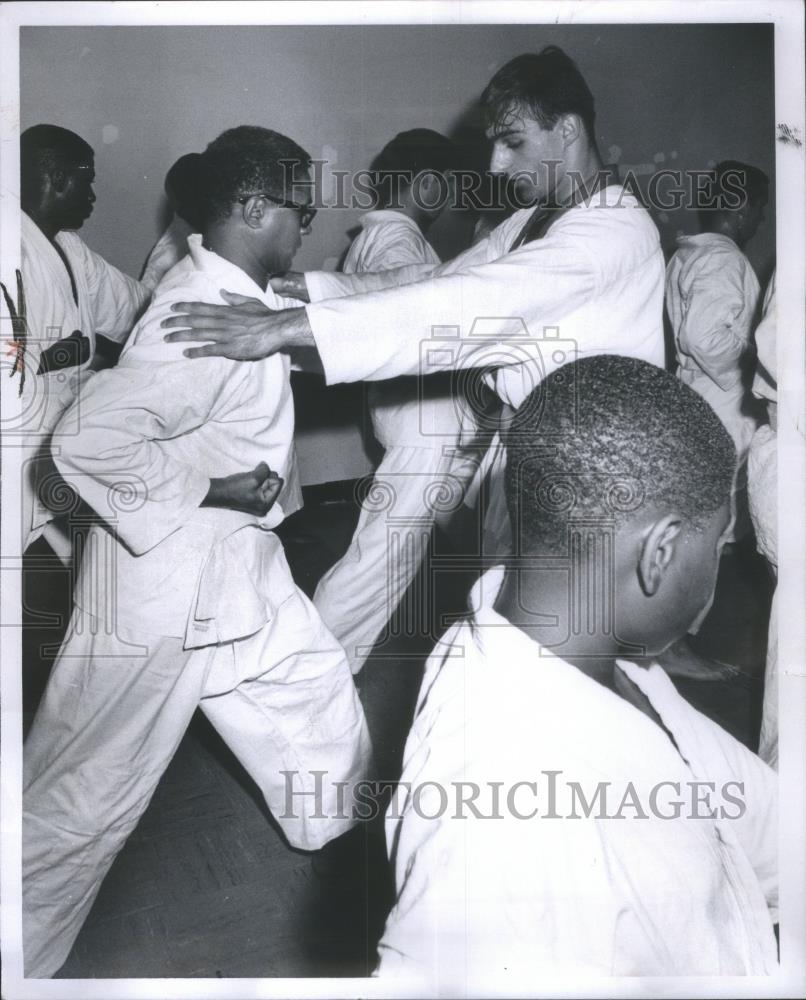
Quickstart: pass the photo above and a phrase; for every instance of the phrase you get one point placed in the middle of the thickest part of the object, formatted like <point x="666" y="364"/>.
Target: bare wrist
<point x="216" y="495"/>
<point x="297" y="329"/>
<point x="297" y="286"/>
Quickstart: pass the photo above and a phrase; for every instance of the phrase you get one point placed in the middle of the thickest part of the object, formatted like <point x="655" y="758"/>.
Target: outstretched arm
<point x="247" y="330"/>
<point x="382" y="334"/>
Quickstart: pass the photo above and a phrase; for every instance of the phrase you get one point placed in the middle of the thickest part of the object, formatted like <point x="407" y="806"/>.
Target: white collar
<point x="384" y="215"/>
<point x="706" y="239"/>
<point x="563" y="679"/>
<point x="232" y="277"/>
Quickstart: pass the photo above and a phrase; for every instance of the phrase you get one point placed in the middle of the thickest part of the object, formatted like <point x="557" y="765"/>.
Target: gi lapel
<point x="541" y="219"/>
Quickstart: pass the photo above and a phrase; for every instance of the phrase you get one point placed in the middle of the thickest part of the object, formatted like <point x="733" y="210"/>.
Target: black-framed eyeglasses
<point x="306" y="213"/>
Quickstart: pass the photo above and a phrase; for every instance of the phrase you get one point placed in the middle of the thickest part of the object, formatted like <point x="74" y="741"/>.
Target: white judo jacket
<point x="109" y="302"/>
<point x="518" y="885"/>
<point x="154" y="430"/>
<point x="593" y="284"/>
<point x="711" y="296"/>
<point x="406" y="411"/>
<point x="108" y="299"/>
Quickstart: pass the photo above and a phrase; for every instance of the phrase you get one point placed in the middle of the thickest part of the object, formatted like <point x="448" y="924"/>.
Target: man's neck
<point x="542" y="607"/>
<point x="727" y="228"/>
<point x="582" y="175"/>
<point x="47" y="227"/>
<point x="544" y="612"/>
<point x="408" y="208"/>
<point x="220" y="242"/>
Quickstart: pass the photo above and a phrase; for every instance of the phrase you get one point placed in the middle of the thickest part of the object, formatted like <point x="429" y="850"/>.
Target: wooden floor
<point x="206" y="886"/>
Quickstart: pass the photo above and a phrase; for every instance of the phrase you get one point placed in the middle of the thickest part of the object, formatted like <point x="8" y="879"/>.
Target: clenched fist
<point x="250" y="492"/>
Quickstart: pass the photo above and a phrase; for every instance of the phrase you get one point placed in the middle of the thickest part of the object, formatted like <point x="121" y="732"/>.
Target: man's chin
<point x="524" y="195"/>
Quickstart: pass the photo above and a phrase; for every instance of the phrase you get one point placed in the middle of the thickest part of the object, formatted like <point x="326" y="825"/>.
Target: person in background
<point x="712" y="294"/>
<point x="184" y="598"/>
<point x="181" y="190"/>
<point x="416" y="421"/>
<point x="79" y="308"/>
<point x="555" y="816"/>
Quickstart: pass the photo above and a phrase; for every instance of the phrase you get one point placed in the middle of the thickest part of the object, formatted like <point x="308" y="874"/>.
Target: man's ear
<point x="254" y="211"/>
<point x="58" y="179"/>
<point x="571" y="128"/>
<point x="657" y="552"/>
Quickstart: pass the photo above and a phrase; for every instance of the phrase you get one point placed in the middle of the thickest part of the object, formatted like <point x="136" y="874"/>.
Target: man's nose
<point x="499" y="160"/>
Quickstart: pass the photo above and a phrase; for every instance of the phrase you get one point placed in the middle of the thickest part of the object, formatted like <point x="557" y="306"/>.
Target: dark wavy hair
<point x="545" y="85"/>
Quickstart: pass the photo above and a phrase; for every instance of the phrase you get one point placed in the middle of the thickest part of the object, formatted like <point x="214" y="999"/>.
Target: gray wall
<point x="667" y="96"/>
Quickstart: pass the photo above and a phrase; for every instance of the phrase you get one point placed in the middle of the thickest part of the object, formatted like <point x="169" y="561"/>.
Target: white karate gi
<point x="486" y="904"/>
<point x="593" y="284"/>
<point x="108" y="304"/>
<point x="169" y="249"/>
<point x="711" y="297"/>
<point x="421" y="478"/>
<point x="762" y="494"/>
<point x="178" y="607"/>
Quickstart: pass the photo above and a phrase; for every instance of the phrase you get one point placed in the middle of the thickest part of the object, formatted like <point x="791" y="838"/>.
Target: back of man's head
<point x="611" y="439"/>
<point x="543" y="86"/>
<point x="44" y="149"/>
<point x="182" y="188"/>
<point x="732" y="188"/>
<point x="409" y="154"/>
<point x="247" y="160"/>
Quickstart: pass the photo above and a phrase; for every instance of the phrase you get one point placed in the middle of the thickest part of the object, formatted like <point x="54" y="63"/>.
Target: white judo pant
<point x="115" y="710"/>
<point x="412" y="489"/>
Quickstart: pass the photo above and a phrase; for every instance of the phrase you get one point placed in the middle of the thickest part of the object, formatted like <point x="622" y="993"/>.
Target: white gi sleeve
<point x="713" y="296"/>
<point x="331" y="285"/>
<point x="387" y="331"/>
<point x="117" y="299"/>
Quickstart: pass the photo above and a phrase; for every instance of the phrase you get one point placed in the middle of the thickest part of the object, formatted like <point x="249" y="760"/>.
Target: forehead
<point x="513" y="122"/>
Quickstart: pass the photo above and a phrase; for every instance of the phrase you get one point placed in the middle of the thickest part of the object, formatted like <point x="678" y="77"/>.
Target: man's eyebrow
<point x="505" y="133"/>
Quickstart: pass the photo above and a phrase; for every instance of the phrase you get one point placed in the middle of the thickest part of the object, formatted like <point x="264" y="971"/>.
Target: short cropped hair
<point x="244" y="161"/>
<point x="417" y="150"/>
<point x="182" y="188"/>
<point x="608" y="438"/>
<point x="730" y="186"/>
<point x="544" y="86"/>
<point x="44" y="148"/>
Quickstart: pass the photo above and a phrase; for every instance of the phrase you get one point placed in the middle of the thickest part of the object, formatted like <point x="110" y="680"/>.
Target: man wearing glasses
<point x="580" y="261"/>
<point x="577" y="270"/>
<point x="185" y="598"/>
